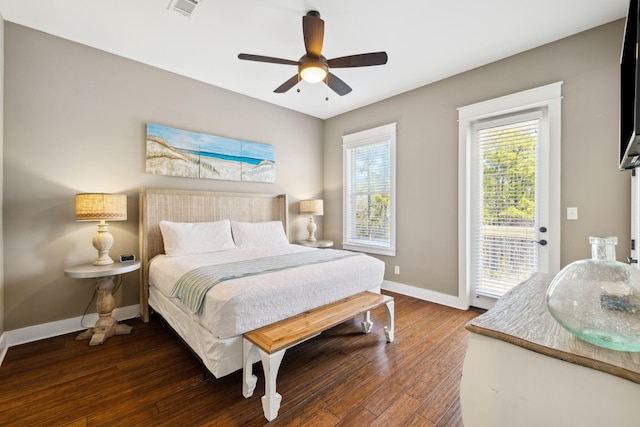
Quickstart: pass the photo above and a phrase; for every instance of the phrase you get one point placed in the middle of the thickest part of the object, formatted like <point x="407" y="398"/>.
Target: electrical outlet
<point x="396" y="270"/>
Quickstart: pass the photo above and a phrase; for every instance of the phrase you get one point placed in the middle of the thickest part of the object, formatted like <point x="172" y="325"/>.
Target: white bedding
<point x="221" y="357"/>
<point x="240" y="305"/>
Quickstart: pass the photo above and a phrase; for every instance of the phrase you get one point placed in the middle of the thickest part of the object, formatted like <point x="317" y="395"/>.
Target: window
<point x="369" y="190"/>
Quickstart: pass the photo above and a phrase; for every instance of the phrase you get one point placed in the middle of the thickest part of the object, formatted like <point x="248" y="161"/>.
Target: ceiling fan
<point x="313" y="67"/>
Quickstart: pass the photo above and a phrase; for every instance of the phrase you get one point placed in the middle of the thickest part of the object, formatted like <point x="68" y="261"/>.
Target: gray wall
<point x="427" y="154"/>
<point x="75" y="122"/>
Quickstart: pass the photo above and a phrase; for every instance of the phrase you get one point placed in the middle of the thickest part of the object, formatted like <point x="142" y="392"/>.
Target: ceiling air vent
<point x="183" y="7"/>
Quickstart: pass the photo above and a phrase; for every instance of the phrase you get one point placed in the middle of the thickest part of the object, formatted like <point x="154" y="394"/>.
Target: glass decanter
<point x="598" y="299"/>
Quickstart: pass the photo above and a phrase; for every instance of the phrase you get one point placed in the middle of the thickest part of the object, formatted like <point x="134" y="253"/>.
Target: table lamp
<point x="101" y="207"/>
<point x="311" y="208"/>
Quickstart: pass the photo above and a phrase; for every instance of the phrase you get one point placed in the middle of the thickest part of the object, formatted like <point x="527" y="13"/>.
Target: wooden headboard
<point x="197" y="206"/>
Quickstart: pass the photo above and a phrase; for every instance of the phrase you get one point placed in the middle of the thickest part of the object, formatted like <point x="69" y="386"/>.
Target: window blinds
<point x="369" y="193"/>
<point x="506" y="206"/>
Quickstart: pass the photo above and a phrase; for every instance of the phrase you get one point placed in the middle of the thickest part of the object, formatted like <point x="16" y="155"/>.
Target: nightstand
<point x="106" y="326"/>
<point x="317" y="244"/>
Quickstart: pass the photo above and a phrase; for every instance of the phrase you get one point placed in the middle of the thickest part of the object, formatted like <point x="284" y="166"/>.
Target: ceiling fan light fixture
<point x="313" y="72"/>
<point x="313" y="67"/>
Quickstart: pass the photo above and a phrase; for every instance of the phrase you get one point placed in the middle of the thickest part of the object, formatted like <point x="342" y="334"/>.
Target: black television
<point x="629" y="93"/>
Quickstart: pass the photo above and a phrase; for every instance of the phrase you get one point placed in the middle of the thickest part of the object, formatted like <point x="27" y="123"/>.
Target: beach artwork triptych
<point x="177" y="152"/>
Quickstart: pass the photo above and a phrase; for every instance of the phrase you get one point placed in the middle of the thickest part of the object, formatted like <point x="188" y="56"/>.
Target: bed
<point x="523" y="369"/>
<point x="172" y="226"/>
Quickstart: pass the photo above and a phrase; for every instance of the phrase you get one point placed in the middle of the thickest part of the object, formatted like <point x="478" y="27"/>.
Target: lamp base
<point x="311" y="228"/>
<point x="101" y="260"/>
<point x="103" y="242"/>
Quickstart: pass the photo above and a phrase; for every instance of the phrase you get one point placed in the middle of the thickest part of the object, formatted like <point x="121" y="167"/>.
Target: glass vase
<point x="598" y="299"/>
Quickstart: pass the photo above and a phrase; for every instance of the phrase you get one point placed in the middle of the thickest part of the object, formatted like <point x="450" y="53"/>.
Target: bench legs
<point x="248" y="379"/>
<point x="388" y="330"/>
<point x="270" y="364"/>
<point x="367" y="324"/>
<point x="271" y="399"/>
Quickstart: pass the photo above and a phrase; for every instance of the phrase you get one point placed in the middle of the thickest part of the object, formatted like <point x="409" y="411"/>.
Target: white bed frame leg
<point x="271" y="400"/>
<point x="248" y="379"/>
<point x="389" y="329"/>
<point x="367" y="324"/>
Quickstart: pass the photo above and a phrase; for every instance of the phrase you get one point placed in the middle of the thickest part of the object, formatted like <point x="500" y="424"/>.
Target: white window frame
<point x="358" y="139"/>
<point x="547" y="98"/>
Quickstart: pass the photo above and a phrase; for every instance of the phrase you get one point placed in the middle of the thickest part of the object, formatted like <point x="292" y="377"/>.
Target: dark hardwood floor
<point x="340" y="378"/>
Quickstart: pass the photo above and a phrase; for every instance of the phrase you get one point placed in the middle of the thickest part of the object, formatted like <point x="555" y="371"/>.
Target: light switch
<point x="572" y="213"/>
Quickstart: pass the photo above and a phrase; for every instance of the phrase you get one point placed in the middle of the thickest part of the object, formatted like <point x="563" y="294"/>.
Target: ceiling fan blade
<point x="313" y="31"/>
<point x="287" y="85"/>
<point x="268" y="59"/>
<point x="337" y="85"/>
<point x="362" y="60"/>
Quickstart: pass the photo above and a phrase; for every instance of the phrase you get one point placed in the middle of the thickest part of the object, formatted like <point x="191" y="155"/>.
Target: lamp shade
<point x="101" y="206"/>
<point x="311" y="207"/>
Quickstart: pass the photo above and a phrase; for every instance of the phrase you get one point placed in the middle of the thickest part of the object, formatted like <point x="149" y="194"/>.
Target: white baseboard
<point x="59" y="327"/>
<point x="424" y="294"/>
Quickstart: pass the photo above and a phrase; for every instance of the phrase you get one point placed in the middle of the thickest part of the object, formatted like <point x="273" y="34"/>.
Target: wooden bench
<point x="273" y="340"/>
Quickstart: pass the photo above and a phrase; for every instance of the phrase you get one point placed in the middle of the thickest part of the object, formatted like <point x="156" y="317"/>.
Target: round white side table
<point x="106" y="326"/>
<point x="317" y="243"/>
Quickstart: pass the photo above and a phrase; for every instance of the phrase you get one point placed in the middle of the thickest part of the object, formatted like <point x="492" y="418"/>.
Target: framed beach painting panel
<point x="258" y="162"/>
<point x="177" y="152"/>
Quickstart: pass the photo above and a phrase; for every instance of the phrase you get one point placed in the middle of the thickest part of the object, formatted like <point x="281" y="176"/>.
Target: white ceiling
<point x="426" y="40"/>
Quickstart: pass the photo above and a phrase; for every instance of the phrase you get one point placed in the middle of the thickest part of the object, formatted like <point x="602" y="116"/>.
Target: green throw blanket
<point x="192" y="287"/>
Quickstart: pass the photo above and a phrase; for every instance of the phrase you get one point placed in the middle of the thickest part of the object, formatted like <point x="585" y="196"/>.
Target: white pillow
<point x="252" y="234"/>
<point x="186" y="238"/>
